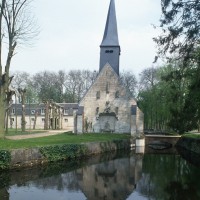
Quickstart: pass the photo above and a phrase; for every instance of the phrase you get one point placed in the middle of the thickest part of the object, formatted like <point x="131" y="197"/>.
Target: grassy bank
<point x="190" y="142"/>
<point x="64" y="138"/>
<point x="192" y="135"/>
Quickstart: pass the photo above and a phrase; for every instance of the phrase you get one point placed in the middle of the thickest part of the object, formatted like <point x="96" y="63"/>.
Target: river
<point x="122" y="176"/>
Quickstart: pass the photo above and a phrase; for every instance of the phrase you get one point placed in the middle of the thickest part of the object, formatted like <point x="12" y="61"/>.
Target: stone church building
<point x="108" y="105"/>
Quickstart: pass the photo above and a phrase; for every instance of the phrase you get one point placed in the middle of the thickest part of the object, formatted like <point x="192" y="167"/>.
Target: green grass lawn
<point x="192" y="135"/>
<point x="64" y="138"/>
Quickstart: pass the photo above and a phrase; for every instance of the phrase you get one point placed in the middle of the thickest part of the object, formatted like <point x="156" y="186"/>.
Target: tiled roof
<point x="30" y="109"/>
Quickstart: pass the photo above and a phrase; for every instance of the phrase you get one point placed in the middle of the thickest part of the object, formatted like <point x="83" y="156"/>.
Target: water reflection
<point x="119" y="177"/>
<point x="114" y="179"/>
<point x="169" y="177"/>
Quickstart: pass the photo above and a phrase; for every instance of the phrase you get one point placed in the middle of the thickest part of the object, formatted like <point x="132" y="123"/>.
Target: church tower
<point x="108" y="105"/>
<point x="109" y="48"/>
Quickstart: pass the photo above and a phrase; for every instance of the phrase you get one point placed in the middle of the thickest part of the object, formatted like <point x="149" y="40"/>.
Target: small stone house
<point x="64" y="119"/>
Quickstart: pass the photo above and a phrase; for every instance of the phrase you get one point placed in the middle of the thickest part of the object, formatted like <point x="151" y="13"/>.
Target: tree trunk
<point x="6" y="120"/>
<point x="34" y="125"/>
<point x="46" y="121"/>
<point x="23" y="113"/>
<point x="2" y="116"/>
<point x="15" y="113"/>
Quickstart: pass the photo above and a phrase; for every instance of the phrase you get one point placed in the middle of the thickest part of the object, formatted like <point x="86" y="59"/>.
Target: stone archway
<point x="107" y="122"/>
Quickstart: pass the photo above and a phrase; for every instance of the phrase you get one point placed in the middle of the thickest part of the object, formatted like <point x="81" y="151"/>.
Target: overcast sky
<point x="71" y="32"/>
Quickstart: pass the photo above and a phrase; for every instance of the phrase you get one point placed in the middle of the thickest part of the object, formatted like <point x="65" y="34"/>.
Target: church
<point x="108" y="105"/>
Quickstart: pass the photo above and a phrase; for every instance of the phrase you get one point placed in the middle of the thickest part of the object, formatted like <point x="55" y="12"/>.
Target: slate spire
<point x="110" y="49"/>
<point x="110" y="37"/>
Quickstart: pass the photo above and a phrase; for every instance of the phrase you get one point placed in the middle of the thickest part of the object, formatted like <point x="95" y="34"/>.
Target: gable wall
<point x="90" y="102"/>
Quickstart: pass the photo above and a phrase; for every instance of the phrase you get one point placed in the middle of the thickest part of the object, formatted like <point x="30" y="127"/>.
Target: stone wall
<point x="67" y="122"/>
<point x="149" y="139"/>
<point x="26" y="157"/>
<point x="107" y="95"/>
<point x="191" y="144"/>
<point x="79" y="124"/>
<point x="140" y="121"/>
<point x="30" y="157"/>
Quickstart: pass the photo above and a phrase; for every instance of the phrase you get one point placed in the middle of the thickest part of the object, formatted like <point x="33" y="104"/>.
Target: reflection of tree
<point x="164" y="175"/>
<point x="179" y="191"/>
<point x="58" y="182"/>
<point x="4" y="195"/>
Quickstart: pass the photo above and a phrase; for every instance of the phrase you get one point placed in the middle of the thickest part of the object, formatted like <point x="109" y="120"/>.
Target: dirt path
<point x="36" y="135"/>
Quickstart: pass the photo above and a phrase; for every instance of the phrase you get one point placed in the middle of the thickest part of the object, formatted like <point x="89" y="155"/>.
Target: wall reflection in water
<point x="114" y="179"/>
<point x="119" y="177"/>
<point x="107" y="177"/>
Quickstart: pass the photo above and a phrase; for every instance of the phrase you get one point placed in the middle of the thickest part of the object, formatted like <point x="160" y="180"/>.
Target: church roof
<point x="110" y="37"/>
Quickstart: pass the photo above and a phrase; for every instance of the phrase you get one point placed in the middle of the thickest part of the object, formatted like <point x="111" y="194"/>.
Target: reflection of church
<point x="108" y="105"/>
<point x="111" y="180"/>
<point x="103" y="177"/>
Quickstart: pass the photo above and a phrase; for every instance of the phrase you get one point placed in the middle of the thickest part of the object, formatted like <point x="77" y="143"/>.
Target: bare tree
<point x="148" y="78"/>
<point x="22" y="93"/>
<point x="74" y="85"/>
<point x="77" y="83"/>
<point x="20" y="80"/>
<point x="16" y="27"/>
<point x="129" y="81"/>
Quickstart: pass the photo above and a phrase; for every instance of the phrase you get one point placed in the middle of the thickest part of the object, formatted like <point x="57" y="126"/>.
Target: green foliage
<point x="180" y="25"/>
<point x="152" y="99"/>
<point x="55" y="168"/>
<point x="169" y="177"/>
<point x="63" y="152"/>
<point x="5" y="159"/>
<point x="190" y="142"/>
<point x="4" y="179"/>
<point x="190" y="135"/>
<point x="172" y="102"/>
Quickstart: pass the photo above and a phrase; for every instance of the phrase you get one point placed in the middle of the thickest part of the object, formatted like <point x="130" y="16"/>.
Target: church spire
<point x="110" y="37"/>
<point x="110" y="49"/>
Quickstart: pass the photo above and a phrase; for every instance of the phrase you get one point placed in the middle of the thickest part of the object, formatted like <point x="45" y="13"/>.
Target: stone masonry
<point x="107" y="106"/>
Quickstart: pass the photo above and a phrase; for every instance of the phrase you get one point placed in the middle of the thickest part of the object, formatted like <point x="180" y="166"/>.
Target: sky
<point x="71" y="32"/>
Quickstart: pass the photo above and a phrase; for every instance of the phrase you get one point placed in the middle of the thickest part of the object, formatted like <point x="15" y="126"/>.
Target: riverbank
<point x="28" y="157"/>
<point x="190" y="142"/>
<point x="52" y="138"/>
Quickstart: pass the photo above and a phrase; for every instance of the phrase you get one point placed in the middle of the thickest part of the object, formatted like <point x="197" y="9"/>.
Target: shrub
<point x="5" y="159"/>
<point x="63" y="152"/>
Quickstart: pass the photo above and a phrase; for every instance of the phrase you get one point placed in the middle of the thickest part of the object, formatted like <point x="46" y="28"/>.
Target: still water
<point x="124" y="176"/>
